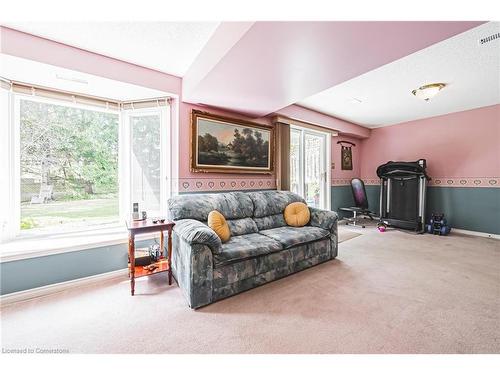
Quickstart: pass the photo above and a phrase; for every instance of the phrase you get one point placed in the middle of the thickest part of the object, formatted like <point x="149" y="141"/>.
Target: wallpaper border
<point x="194" y="184"/>
<point x="470" y="182"/>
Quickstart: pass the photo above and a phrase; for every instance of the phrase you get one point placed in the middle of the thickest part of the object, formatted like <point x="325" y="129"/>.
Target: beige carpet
<point x="386" y="293"/>
<point x="345" y="233"/>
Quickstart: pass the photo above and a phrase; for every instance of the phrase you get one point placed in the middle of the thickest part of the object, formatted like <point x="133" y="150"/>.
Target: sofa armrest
<point x="194" y="232"/>
<point x="324" y="219"/>
<point x="192" y="266"/>
<point x="194" y="244"/>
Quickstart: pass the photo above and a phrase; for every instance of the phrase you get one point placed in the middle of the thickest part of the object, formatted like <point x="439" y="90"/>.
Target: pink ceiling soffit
<point x="266" y="66"/>
<point x="307" y="115"/>
<point x="223" y="39"/>
<point x="27" y="46"/>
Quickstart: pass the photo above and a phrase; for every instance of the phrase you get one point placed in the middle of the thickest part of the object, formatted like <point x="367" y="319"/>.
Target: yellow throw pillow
<point x="218" y="223"/>
<point x="297" y="214"/>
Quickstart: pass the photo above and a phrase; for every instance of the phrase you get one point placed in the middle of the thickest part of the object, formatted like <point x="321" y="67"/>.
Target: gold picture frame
<point x="222" y="144"/>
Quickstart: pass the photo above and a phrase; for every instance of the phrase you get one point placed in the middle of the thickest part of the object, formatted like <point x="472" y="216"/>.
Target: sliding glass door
<point x="309" y="156"/>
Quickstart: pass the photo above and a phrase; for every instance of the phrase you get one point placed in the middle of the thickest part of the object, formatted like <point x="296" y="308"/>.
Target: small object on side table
<point x="151" y="267"/>
<point x="157" y="220"/>
<point x="142" y="257"/>
<point x="155" y="252"/>
<point x="135" y="211"/>
<point x="163" y="264"/>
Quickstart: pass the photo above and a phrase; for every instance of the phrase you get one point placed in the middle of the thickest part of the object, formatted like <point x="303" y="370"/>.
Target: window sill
<point x="34" y="247"/>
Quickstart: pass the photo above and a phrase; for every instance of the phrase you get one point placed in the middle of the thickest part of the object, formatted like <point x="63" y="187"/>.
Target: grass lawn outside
<point x="68" y="215"/>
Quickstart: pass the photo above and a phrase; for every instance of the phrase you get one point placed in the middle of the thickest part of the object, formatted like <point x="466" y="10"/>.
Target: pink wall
<point x="189" y="181"/>
<point x="343" y="177"/>
<point x="462" y="149"/>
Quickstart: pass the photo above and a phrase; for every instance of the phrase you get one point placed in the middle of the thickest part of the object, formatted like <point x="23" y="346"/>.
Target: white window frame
<point x="325" y="174"/>
<point x="13" y="228"/>
<point x="8" y="151"/>
<point x="126" y="155"/>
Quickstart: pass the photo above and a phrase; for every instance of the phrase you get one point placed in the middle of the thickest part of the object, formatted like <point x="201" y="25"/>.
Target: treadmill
<point x="403" y="187"/>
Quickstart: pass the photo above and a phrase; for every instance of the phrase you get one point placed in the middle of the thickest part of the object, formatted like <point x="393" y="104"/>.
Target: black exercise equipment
<point x="403" y="187"/>
<point x="438" y="225"/>
<point x="361" y="202"/>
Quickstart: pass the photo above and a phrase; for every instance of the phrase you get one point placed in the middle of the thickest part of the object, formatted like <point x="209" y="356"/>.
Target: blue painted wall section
<point x="475" y="209"/>
<point x="36" y="272"/>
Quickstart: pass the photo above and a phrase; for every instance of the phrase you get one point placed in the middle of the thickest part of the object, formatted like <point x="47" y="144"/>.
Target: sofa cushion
<point x="297" y="214"/>
<point x="279" y="260"/>
<point x="271" y="221"/>
<point x="272" y="202"/>
<point x="291" y="236"/>
<point x="219" y="225"/>
<point x="239" y="248"/>
<point x="234" y="205"/>
<point x="239" y="227"/>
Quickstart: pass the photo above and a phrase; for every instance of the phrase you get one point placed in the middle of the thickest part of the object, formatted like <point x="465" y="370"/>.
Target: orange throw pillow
<point x="297" y="214"/>
<point x="218" y="223"/>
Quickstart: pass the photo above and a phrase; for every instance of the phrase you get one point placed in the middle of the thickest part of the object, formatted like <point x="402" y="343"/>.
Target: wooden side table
<point x="164" y="263"/>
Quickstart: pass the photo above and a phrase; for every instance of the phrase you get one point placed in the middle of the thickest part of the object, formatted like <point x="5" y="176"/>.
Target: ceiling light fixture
<point x="427" y="92"/>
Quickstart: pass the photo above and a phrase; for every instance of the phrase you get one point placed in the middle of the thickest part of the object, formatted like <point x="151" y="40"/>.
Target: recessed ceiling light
<point x="72" y="79"/>
<point x="427" y="92"/>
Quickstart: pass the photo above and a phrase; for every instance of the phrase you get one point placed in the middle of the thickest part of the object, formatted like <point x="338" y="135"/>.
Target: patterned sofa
<point x="262" y="247"/>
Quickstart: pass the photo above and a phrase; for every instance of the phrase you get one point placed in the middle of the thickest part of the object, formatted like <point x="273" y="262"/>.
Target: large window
<point x="73" y="166"/>
<point x="68" y="167"/>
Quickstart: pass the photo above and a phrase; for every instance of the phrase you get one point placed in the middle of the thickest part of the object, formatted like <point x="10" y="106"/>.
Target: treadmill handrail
<point x="403" y="171"/>
<point x="398" y="178"/>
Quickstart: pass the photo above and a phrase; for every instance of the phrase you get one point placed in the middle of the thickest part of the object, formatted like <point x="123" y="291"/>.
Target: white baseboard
<point x="45" y="290"/>
<point x="474" y="233"/>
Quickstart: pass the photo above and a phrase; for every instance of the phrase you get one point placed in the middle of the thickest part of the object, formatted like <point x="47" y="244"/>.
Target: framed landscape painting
<point x="221" y="144"/>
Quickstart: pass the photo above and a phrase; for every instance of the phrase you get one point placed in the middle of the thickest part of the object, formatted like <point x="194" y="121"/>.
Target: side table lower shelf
<point x="141" y="272"/>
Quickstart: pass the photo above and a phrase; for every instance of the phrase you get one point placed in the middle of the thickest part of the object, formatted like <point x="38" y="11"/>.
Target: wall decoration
<point x="469" y="182"/>
<point x="346" y="154"/>
<point x="465" y="182"/>
<point x="225" y="145"/>
<point x="216" y="184"/>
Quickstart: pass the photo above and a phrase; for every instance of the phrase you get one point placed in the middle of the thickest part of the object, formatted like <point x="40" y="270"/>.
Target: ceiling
<point x="169" y="47"/>
<point x="471" y="71"/>
<point x="275" y="64"/>
<point x="362" y="72"/>
<point x="39" y="74"/>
